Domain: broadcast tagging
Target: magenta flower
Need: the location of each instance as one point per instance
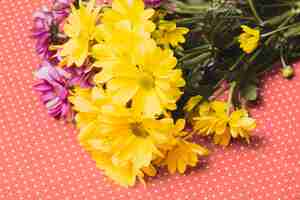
(54, 85)
(44, 25)
(54, 90)
(61, 9)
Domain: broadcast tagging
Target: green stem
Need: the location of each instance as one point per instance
(189, 20)
(229, 101)
(199, 48)
(282, 58)
(237, 62)
(253, 9)
(278, 19)
(280, 29)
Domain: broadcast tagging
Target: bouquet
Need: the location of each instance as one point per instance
(142, 79)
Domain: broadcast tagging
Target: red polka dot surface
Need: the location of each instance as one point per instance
(40, 157)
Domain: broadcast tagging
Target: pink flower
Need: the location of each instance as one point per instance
(43, 28)
(54, 90)
(61, 9)
(46, 26)
(54, 85)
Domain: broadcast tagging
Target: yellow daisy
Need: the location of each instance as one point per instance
(168, 34)
(122, 142)
(241, 124)
(124, 174)
(212, 118)
(87, 103)
(249, 40)
(80, 28)
(119, 47)
(184, 154)
(151, 81)
(130, 137)
(130, 10)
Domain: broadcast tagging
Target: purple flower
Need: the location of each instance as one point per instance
(61, 9)
(54, 84)
(46, 26)
(54, 90)
(153, 3)
(43, 25)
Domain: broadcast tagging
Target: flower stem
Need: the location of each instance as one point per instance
(275, 20)
(280, 29)
(253, 9)
(229, 101)
(282, 58)
(237, 62)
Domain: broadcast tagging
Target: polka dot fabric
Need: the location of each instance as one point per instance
(41, 159)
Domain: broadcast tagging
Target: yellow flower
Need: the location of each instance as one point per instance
(222, 139)
(212, 118)
(120, 47)
(129, 10)
(168, 34)
(249, 39)
(122, 142)
(124, 174)
(150, 81)
(184, 154)
(180, 153)
(132, 137)
(241, 124)
(88, 103)
(80, 28)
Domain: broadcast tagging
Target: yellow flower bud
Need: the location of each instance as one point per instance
(287, 72)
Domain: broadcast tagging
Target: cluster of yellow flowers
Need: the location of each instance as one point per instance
(215, 118)
(124, 120)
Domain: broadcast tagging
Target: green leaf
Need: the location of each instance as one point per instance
(249, 92)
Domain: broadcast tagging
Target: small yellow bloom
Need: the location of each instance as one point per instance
(212, 118)
(249, 40)
(168, 34)
(241, 124)
(184, 154)
(80, 28)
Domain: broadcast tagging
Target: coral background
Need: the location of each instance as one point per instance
(41, 159)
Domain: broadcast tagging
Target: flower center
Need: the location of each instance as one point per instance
(138, 129)
(147, 81)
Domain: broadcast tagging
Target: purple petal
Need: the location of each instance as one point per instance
(53, 103)
(48, 96)
(43, 87)
(55, 112)
(62, 92)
